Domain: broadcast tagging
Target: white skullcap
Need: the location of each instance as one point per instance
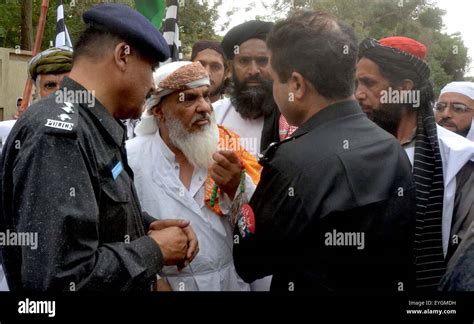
(462, 87)
(169, 78)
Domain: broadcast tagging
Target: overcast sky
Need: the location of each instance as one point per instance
(459, 18)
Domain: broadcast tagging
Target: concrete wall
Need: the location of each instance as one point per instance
(13, 76)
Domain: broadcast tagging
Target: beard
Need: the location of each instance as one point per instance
(387, 116)
(198, 146)
(464, 132)
(447, 123)
(252, 102)
(218, 90)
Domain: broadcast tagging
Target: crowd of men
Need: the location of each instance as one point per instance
(289, 157)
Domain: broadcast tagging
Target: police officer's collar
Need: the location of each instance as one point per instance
(334, 111)
(265, 156)
(331, 112)
(112, 126)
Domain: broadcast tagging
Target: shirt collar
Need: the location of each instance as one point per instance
(113, 126)
(164, 149)
(331, 112)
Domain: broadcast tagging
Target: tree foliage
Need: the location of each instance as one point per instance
(418, 19)
(197, 20)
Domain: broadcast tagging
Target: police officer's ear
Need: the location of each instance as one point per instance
(122, 53)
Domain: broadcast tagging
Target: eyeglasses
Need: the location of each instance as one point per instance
(456, 106)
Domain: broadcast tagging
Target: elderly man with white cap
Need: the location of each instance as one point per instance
(179, 171)
(455, 108)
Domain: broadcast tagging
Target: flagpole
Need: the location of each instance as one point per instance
(36, 49)
(171, 31)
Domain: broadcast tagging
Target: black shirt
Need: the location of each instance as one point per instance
(66, 178)
(337, 177)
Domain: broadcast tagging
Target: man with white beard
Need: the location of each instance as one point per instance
(179, 172)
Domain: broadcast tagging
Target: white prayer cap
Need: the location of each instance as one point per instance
(463, 87)
(177, 76)
(169, 78)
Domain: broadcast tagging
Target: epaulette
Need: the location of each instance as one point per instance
(62, 118)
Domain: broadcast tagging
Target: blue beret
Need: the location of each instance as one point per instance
(131, 26)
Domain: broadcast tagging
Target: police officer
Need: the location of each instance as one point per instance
(66, 178)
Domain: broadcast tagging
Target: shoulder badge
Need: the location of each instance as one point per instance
(65, 117)
(246, 221)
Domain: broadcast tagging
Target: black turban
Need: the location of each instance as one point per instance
(244, 32)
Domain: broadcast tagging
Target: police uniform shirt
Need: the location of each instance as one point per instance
(337, 178)
(66, 178)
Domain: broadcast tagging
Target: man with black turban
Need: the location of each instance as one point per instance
(250, 111)
(395, 91)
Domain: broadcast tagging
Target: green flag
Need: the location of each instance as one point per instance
(153, 10)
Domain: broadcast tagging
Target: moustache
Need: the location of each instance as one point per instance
(365, 108)
(201, 117)
(445, 122)
(254, 79)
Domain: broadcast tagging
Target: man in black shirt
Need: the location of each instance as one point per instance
(335, 204)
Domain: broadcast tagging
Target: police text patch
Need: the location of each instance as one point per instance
(58, 124)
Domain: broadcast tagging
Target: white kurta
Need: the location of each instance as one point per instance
(163, 196)
(5, 129)
(3, 280)
(249, 130)
(455, 152)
